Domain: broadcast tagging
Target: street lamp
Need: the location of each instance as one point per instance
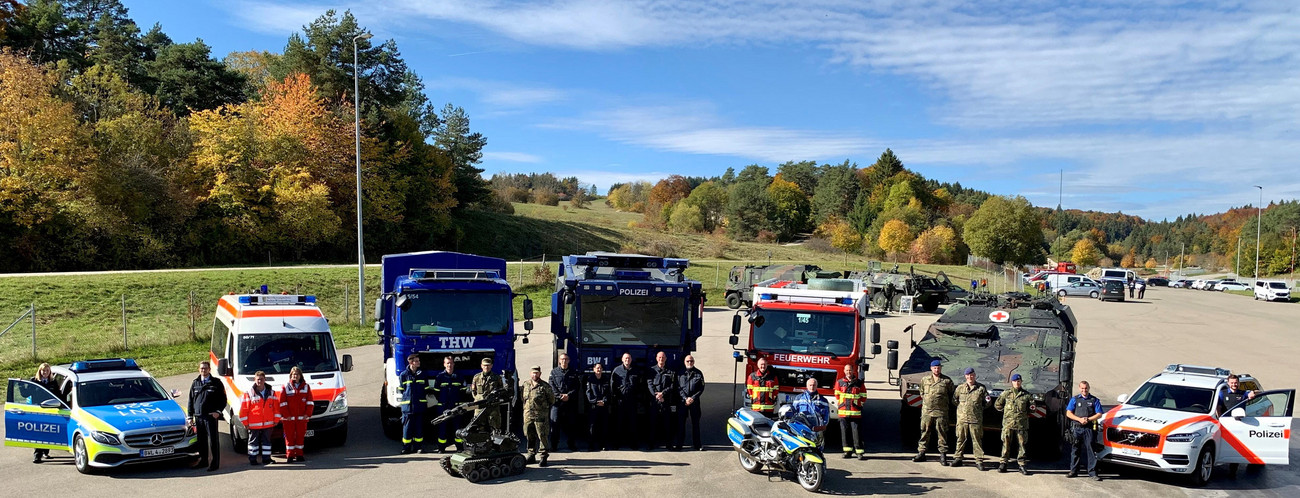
(1258, 222)
(356, 113)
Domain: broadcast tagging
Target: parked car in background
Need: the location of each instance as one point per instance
(1272, 291)
(1112, 290)
(1198, 284)
(1180, 284)
(1085, 287)
(1209, 285)
(1231, 286)
(1158, 282)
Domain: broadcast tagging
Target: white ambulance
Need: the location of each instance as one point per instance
(1177, 422)
(274, 333)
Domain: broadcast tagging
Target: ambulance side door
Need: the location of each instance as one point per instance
(1258, 430)
(35, 417)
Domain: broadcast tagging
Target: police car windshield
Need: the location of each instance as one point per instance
(631, 320)
(804, 332)
(1173, 397)
(119, 391)
(457, 313)
(278, 353)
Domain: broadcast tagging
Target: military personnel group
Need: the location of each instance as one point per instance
(648, 409)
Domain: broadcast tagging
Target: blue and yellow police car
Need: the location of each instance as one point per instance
(107, 413)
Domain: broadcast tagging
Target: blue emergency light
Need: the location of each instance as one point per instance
(106, 364)
(767, 297)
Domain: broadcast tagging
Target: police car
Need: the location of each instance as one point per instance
(107, 413)
(1176, 422)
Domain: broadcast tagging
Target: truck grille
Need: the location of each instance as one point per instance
(146, 440)
(431, 361)
(1132, 438)
(319, 407)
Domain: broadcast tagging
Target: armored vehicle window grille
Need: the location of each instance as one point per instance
(619, 321)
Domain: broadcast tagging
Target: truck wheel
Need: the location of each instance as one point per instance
(930, 305)
(733, 301)
(239, 445)
(1204, 467)
(389, 419)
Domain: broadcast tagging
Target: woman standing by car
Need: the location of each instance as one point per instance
(295, 408)
(44, 379)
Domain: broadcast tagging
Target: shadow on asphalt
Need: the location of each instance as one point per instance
(840, 482)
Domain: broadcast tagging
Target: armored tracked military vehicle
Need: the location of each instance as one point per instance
(997, 335)
(742, 279)
(488, 453)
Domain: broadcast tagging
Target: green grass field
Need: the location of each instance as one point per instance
(80, 316)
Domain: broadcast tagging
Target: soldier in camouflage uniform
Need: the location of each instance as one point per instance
(970, 398)
(538, 398)
(483, 383)
(936, 394)
(1014, 405)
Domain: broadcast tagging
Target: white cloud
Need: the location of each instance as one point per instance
(501, 95)
(514, 157)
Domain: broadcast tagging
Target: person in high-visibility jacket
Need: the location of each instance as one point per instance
(295, 408)
(411, 389)
(850, 392)
(761, 388)
(450, 389)
(259, 411)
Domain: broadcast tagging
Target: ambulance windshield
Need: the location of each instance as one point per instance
(631, 320)
(457, 313)
(278, 353)
(119, 391)
(804, 332)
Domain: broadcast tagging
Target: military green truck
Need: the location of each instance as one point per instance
(741, 280)
(997, 335)
(888, 289)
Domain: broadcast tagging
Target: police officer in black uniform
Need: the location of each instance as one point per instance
(1229, 398)
(691, 385)
(1083, 411)
(44, 378)
(629, 389)
(599, 394)
(567, 384)
(662, 384)
(207, 402)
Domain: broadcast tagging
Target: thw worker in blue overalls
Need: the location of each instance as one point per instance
(449, 388)
(412, 385)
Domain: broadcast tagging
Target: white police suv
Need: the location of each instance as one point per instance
(1178, 422)
(107, 413)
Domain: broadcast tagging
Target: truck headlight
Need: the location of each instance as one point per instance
(1184, 437)
(106, 438)
(339, 404)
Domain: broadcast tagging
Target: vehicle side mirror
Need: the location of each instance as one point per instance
(223, 367)
(891, 359)
(875, 349)
(403, 303)
(528, 325)
(1238, 413)
(892, 345)
(568, 297)
(865, 366)
(528, 309)
(1121, 398)
(379, 309)
(875, 333)
(347, 363)
(733, 340)
(735, 325)
(54, 403)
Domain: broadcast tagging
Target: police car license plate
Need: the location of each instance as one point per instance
(310, 433)
(1129, 452)
(157, 451)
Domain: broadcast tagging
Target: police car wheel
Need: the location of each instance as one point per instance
(81, 457)
(1204, 467)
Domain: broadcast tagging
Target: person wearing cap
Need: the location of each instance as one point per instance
(970, 398)
(936, 394)
(1014, 404)
(483, 384)
(538, 399)
(1083, 411)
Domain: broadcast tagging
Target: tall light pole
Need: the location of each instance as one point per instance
(356, 113)
(1236, 270)
(1258, 223)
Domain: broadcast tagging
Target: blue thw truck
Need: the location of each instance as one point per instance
(438, 304)
(608, 304)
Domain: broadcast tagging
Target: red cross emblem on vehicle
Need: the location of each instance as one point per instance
(999, 316)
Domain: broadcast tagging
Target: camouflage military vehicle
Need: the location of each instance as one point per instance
(488, 453)
(888, 288)
(741, 280)
(997, 336)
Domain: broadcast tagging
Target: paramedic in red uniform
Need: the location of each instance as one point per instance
(295, 408)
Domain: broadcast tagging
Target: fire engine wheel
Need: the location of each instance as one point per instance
(733, 301)
(517, 465)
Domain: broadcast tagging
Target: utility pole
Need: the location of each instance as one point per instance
(356, 113)
(1236, 271)
(1181, 247)
(1259, 221)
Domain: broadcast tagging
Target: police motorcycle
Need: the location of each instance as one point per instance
(787, 444)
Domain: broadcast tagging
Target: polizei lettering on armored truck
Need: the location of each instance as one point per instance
(634, 292)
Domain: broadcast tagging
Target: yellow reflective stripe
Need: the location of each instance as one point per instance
(40, 446)
(37, 409)
(85, 419)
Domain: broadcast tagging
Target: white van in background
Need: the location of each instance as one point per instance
(1118, 274)
(1272, 290)
(1061, 280)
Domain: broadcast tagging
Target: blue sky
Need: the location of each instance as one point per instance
(1156, 108)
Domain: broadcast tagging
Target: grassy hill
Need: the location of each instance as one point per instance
(80, 316)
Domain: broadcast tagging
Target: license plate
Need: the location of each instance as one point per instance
(310, 433)
(1128, 452)
(157, 451)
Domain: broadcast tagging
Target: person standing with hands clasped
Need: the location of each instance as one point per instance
(412, 398)
(1014, 404)
(663, 402)
(850, 392)
(295, 409)
(567, 383)
(970, 398)
(259, 411)
(599, 389)
(691, 385)
(1083, 411)
(207, 402)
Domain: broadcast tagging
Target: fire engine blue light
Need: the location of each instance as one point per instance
(264, 290)
(766, 296)
(846, 300)
(245, 299)
(311, 299)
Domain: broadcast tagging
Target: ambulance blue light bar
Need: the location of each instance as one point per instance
(276, 299)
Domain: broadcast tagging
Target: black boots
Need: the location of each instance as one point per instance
(543, 462)
(943, 459)
(920, 457)
(1002, 467)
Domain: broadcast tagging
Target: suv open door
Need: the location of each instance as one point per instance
(1258, 430)
(35, 417)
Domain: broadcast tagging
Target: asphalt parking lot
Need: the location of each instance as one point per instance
(1120, 345)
